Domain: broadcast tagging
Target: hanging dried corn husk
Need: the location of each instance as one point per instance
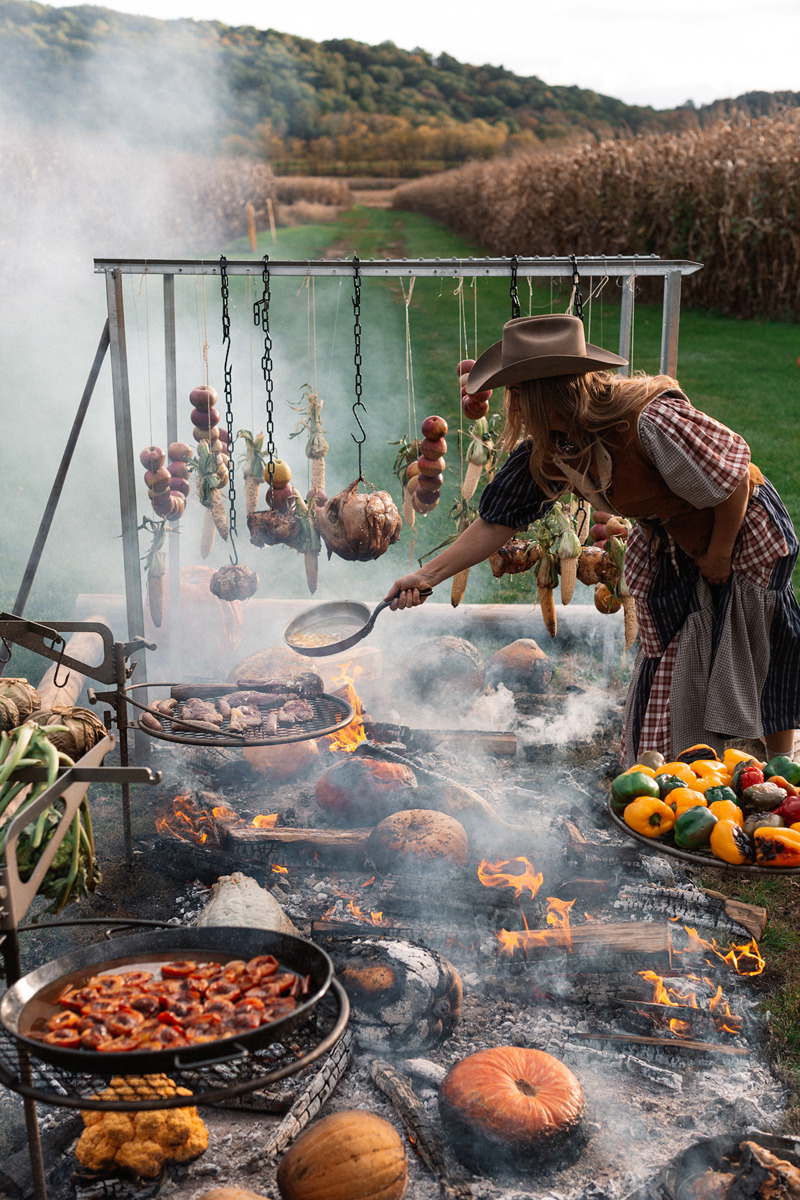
(615, 548)
(83, 729)
(155, 567)
(209, 482)
(253, 465)
(479, 457)
(546, 579)
(22, 694)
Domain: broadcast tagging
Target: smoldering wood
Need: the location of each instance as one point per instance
(115, 1188)
(700, 906)
(477, 741)
(399, 1091)
(700, 1019)
(320, 1088)
(16, 1177)
(669, 1043)
(337, 845)
(344, 930)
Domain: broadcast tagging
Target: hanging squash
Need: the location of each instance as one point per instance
(348, 1154)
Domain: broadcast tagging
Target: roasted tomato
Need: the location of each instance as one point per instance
(68, 1039)
(177, 970)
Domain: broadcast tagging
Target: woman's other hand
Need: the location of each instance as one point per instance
(715, 568)
(405, 592)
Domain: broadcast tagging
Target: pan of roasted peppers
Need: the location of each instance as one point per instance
(733, 812)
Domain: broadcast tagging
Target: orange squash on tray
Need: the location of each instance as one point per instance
(510, 1104)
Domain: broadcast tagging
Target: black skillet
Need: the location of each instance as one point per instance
(28, 1004)
(344, 622)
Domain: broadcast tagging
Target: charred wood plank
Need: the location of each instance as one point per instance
(697, 906)
(338, 844)
(398, 1089)
(635, 937)
(344, 930)
(669, 1043)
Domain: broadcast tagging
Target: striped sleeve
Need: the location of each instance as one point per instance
(701, 460)
(512, 498)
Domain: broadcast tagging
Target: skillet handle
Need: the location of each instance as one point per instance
(385, 604)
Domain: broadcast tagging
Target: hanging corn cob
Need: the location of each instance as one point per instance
(406, 468)
(567, 549)
(309, 542)
(463, 521)
(479, 456)
(209, 483)
(155, 567)
(615, 549)
(546, 580)
(253, 464)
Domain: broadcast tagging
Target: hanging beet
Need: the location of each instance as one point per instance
(358, 527)
(234, 582)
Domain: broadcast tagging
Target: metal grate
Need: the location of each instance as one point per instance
(331, 713)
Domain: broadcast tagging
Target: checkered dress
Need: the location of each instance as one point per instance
(713, 663)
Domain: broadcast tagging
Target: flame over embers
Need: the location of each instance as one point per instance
(352, 909)
(528, 879)
(188, 822)
(353, 734)
(717, 1006)
(745, 959)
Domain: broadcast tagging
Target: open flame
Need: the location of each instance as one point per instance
(716, 1007)
(353, 910)
(188, 822)
(353, 734)
(745, 959)
(493, 875)
(527, 878)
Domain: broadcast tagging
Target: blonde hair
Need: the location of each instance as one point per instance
(587, 404)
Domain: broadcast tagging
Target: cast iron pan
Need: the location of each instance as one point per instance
(28, 1004)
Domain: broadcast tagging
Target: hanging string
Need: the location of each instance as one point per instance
(596, 291)
(357, 358)
(463, 352)
(248, 300)
(227, 374)
(513, 293)
(333, 337)
(205, 333)
(411, 399)
(261, 318)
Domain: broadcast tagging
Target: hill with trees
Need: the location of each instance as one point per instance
(329, 107)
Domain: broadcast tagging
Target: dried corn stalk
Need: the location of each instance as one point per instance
(253, 465)
(209, 483)
(155, 567)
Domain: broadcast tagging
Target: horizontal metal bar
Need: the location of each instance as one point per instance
(615, 264)
(92, 775)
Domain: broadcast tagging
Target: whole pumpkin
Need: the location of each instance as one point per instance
(350, 1155)
(416, 838)
(362, 791)
(521, 666)
(286, 760)
(509, 1103)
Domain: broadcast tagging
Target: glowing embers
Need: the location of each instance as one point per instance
(353, 734)
(188, 821)
(346, 908)
(693, 1015)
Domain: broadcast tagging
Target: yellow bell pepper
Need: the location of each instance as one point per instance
(731, 757)
(643, 770)
(650, 817)
(777, 847)
(730, 843)
(682, 770)
(708, 766)
(679, 799)
(727, 810)
(711, 781)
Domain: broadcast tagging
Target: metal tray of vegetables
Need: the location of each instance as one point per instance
(734, 814)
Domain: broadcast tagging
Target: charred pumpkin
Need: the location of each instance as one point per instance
(362, 791)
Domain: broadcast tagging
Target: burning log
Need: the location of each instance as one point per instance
(401, 993)
(668, 1043)
(335, 845)
(696, 905)
(398, 1089)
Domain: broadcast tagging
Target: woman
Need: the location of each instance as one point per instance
(709, 559)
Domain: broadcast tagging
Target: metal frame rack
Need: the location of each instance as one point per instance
(627, 269)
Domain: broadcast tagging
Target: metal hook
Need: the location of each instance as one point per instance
(7, 657)
(235, 556)
(56, 684)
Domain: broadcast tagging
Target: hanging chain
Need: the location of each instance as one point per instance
(576, 300)
(261, 319)
(357, 358)
(228, 370)
(512, 291)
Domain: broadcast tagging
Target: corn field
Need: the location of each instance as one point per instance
(727, 197)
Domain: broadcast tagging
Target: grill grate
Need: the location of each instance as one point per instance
(330, 713)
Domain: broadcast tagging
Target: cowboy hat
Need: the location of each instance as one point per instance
(538, 347)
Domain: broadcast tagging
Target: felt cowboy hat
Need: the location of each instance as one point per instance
(538, 347)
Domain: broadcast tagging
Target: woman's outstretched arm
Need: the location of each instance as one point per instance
(478, 541)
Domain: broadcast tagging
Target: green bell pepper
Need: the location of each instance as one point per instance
(781, 764)
(667, 783)
(693, 828)
(714, 794)
(626, 788)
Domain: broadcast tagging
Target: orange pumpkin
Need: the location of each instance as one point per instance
(362, 791)
(508, 1104)
(346, 1155)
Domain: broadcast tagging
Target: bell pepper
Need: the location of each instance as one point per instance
(640, 767)
(745, 774)
(766, 797)
(763, 820)
(649, 816)
(777, 847)
(731, 844)
(731, 757)
(629, 787)
(693, 827)
(681, 799)
(711, 781)
(703, 767)
(787, 787)
(781, 764)
(682, 770)
(728, 810)
(696, 752)
(790, 809)
(723, 792)
(668, 783)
